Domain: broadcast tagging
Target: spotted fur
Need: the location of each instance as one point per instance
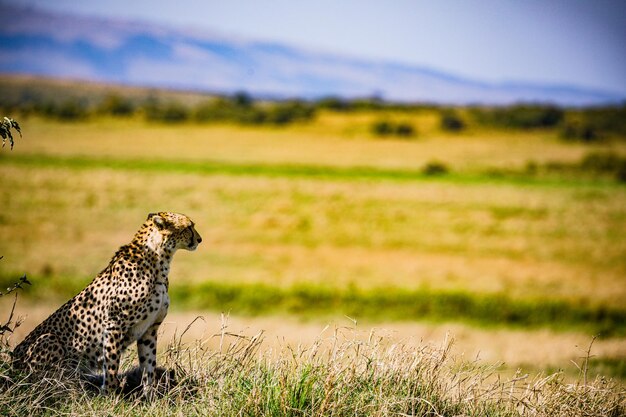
(124, 304)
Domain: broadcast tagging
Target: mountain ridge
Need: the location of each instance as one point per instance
(99, 49)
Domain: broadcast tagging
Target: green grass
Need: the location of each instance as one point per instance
(375, 304)
(320, 172)
(610, 367)
(392, 304)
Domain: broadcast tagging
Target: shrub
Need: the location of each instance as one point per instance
(68, 110)
(289, 112)
(214, 110)
(434, 168)
(580, 131)
(387, 128)
(404, 130)
(593, 124)
(382, 128)
(242, 99)
(116, 105)
(522, 116)
(451, 122)
(334, 103)
(241, 109)
(602, 162)
(607, 163)
(369, 104)
(171, 112)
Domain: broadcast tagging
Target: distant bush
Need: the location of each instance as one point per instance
(334, 103)
(361, 104)
(69, 110)
(171, 112)
(435, 168)
(605, 163)
(404, 130)
(242, 99)
(289, 112)
(601, 162)
(241, 109)
(580, 131)
(520, 116)
(384, 128)
(584, 125)
(116, 105)
(595, 124)
(222, 109)
(451, 122)
(371, 104)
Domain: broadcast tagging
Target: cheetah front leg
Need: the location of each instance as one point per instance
(112, 347)
(147, 349)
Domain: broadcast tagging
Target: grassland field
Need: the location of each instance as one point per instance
(321, 220)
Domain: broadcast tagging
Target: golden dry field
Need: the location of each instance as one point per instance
(325, 207)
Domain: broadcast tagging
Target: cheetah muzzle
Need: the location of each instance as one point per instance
(125, 303)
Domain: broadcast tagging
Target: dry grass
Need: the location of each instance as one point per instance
(509, 349)
(342, 374)
(333, 140)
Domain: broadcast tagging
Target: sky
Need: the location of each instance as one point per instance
(566, 42)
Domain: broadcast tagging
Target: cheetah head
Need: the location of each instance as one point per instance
(177, 230)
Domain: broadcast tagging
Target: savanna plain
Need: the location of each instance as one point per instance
(338, 274)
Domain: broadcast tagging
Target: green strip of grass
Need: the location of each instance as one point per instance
(387, 304)
(403, 305)
(210, 167)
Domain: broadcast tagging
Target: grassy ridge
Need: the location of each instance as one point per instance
(401, 304)
(377, 304)
(322, 172)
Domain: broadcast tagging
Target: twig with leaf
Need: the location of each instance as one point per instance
(5, 130)
(9, 326)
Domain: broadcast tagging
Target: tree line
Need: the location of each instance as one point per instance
(576, 124)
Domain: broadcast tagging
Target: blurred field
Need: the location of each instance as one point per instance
(560, 240)
(334, 139)
(293, 208)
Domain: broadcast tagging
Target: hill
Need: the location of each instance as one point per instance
(136, 53)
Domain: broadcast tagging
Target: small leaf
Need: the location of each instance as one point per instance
(16, 126)
(25, 280)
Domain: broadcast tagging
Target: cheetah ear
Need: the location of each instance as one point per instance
(158, 220)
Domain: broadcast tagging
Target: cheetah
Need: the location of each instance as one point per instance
(124, 303)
